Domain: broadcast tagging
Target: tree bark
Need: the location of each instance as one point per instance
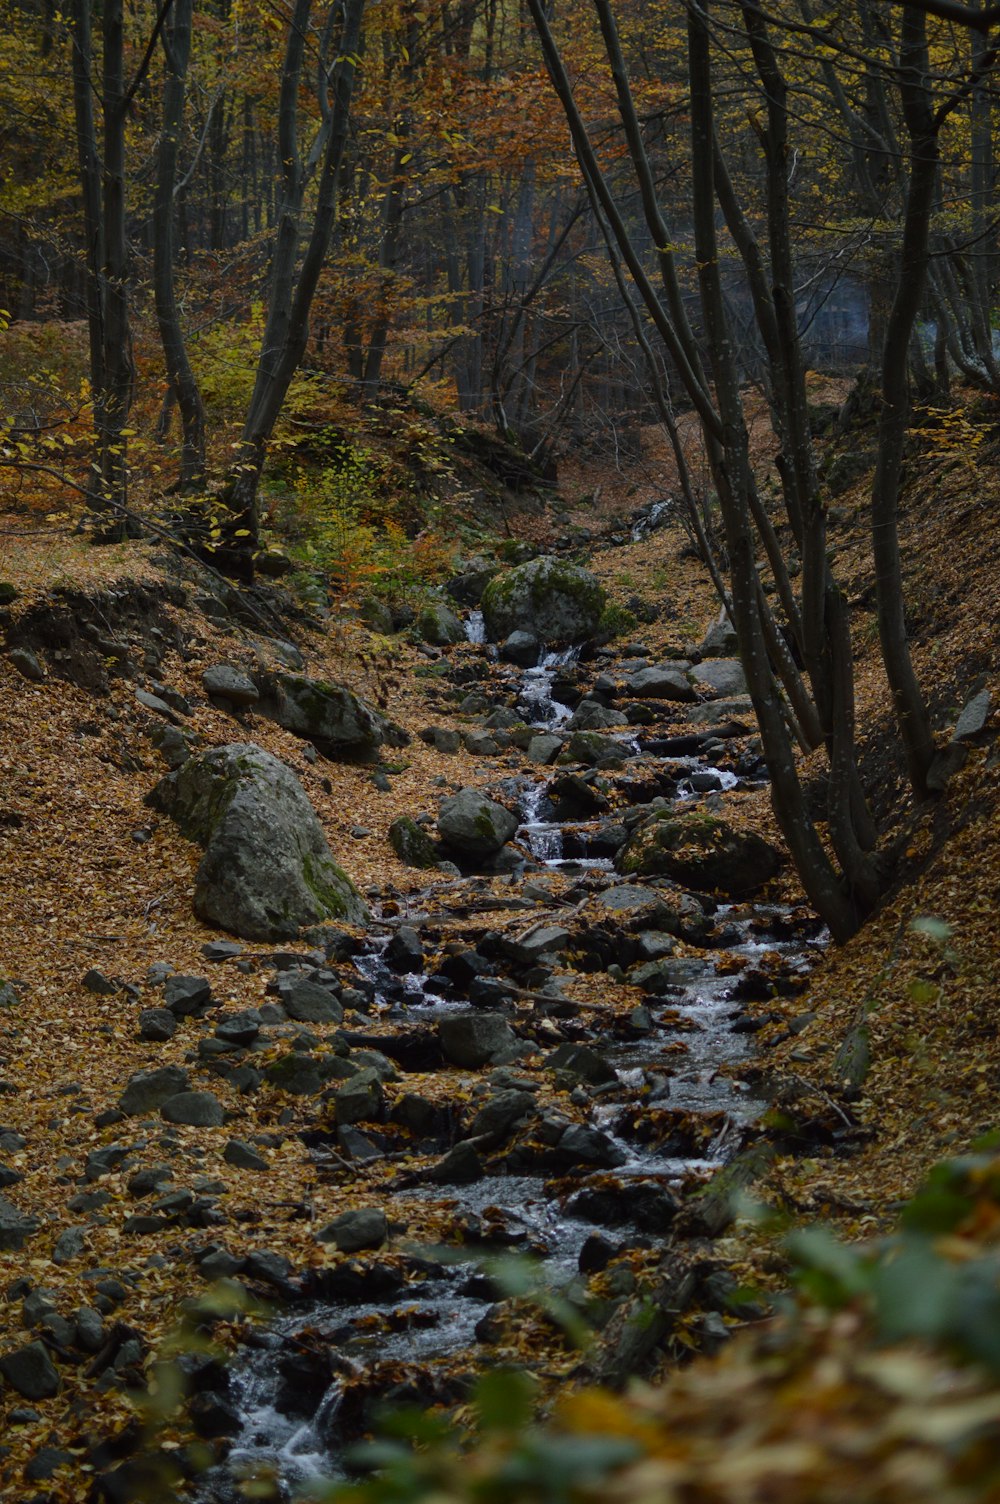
(176, 40)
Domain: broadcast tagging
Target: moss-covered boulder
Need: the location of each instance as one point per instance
(553, 600)
(439, 625)
(700, 851)
(412, 844)
(473, 825)
(331, 716)
(267, 869)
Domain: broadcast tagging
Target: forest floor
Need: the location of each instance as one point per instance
(91, 879)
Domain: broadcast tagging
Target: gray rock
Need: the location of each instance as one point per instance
(660, 682)
(223, 682)
(439, 625)
(173, 744)
(702, 852)
(145, 1182)
(591, 715)
(593, 749)
(720, 639)
(481, 744)
(404, 953)
(582, 1144)
(27, 664)
(95, 981)
(521, 648)
(736, 710)
(158, 705)
(973, 717)
(442, 738)
(30, 1371)
(474, 825)
(157, 1024)
(352, 1231)
(244, 1156)
(501, 1113)
(106, 1160)
(239, 1028)
(581, 1061)
(545, 747)
(553, 600)
(460, 1166)
(309, 1003)
(38, 1304)
(474, 1039)
(720, 677)
(8, 995)
(654, 945)
(359, 1100)
(90, 1332)
(148, 1090)
(330, 715)
(267, 869)
(542, 941)
(412, 844)
(467, 587)
(186, 995)
(414, 1112)
(297, 1073)
(221, 950)
(69, 1245)
(195, 1109)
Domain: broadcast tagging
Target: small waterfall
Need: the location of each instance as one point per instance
(651, 519)
(544, 838)
(535, 697)
(475, 627)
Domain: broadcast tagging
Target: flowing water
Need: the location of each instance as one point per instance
(441, 1310)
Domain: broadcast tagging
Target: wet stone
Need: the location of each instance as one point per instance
(582, 1144)
(404, 953)
(581, 1061)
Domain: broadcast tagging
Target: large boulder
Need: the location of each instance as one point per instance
(473, 825)
(267, 869)
(331, 716)
(663, 681)
(699, 851)
(438, 625)
(553, 600)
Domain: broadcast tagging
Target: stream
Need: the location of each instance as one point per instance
(295, 1413)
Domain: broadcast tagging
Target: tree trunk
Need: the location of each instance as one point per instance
(176, 38)
(287, 328)
(911, 710)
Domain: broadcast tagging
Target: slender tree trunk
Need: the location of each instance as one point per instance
(287, 328)
(176, 39)
(910, 707)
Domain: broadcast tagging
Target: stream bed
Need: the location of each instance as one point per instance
(657, 1104)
